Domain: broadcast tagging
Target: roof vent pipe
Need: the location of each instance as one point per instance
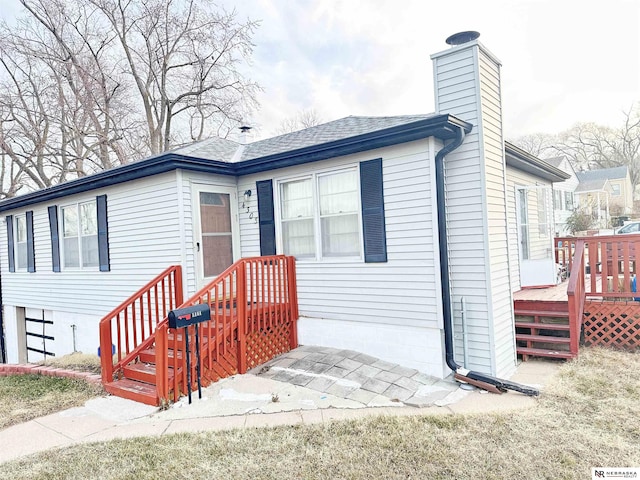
(462, 37)
(244, 134)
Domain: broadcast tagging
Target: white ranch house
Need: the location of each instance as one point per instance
(354, 200)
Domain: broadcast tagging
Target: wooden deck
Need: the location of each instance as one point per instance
(556, 293)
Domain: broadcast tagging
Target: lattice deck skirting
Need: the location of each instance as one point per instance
(615, 324)
(267, 343)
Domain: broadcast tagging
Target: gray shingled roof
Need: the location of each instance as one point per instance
(590, 185)
(228, 151)
(214, 148)
(555, 161)
(603, 174)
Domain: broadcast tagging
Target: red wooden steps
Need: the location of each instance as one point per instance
(133, 390)
(543, 352)
(534, 337)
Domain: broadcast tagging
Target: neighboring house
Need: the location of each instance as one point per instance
(355, 200)
(563, 195)
(606, 192)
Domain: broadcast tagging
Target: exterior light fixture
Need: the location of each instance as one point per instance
(247, 195)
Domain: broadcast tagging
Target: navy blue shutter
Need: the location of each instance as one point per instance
(373, 227)
(10, 247)
(103, 233)
(55, 238)
(266, 218)
(31, 251)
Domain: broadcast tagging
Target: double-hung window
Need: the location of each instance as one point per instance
(320, 215)
(80, 235)
(21, 242)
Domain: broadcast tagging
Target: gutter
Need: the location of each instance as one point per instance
(3, 347)
(481, 380)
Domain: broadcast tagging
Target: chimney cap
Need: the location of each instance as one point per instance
(462, 37)
(244, 128)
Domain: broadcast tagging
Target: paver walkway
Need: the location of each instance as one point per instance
(355, 376)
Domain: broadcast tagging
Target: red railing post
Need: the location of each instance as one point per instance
(243, 321)
(576, 296)
(293, 301)
(177, 285)
(162, 367)
(106, 356)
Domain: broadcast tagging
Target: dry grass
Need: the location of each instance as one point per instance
(25, 397)
(589, 417)
(76, 361)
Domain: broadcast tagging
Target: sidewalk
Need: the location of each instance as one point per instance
(249, 401)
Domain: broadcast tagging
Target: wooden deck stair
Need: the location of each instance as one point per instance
(542, 328)
(253, 318)
(138, 380)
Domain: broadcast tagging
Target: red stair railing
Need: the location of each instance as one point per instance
(134, 321)
(253, 318)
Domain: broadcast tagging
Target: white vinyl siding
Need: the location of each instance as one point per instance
(401, 291)
(467, 80)
(143, 241)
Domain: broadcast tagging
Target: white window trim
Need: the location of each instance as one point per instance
(16, 243)
(62, 237)
(316, 211)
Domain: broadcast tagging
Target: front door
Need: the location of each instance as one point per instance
(535, 239)
(216, 234)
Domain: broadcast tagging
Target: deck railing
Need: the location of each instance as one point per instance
(132, 324)
(253, 316)
(576, 297)
(603, 290)
(610, 263)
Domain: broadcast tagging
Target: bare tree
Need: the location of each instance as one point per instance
(539, 144)
(591, 146)
(183, 58)
(303, 119)
(88, 85)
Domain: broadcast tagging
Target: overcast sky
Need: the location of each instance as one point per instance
(563, 61)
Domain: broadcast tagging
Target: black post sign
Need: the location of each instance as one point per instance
(184, 318)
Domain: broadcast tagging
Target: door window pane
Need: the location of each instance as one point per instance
(215, 228)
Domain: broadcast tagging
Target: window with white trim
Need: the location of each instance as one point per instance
(21, 242)
(80, 235)
(320, 215)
